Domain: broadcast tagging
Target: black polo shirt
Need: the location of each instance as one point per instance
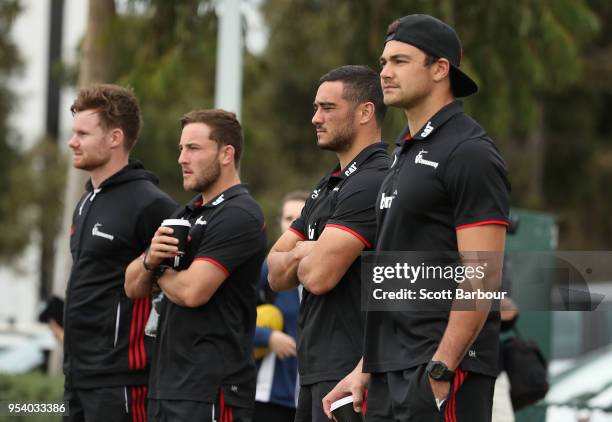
(330, 326)
(447, 177)
(200, 350)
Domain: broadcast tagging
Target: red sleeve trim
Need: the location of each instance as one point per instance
(297, 232)
(353, 232)
(482, 223)
(217, 263)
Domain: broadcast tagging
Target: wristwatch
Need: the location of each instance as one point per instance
(155, 272)
(438, 371)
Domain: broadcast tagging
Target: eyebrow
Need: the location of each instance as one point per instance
(323, 104)
(187, 144)
(396, 56)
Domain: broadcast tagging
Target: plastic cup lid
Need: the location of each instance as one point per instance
(341, 402)
(176, 222)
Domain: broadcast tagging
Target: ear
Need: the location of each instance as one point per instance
(366, 112)
(117, 138)
(440, 69)
(227, 155)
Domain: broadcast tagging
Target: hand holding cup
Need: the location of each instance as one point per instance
(168, 243)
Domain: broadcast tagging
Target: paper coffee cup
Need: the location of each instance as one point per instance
(343, 410)
(180, 229)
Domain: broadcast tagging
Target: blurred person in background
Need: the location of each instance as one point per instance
(105, 353)
(275, 397)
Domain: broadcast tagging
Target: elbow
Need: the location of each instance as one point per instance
(318, 280)
(277, 280)
(274, 283)
(274, 279)
(128, 291)
(132, 292)
(194, 299)
(317, 288)
(317, 284)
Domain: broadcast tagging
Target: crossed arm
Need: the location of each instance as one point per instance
(318, 265)
(189, 288)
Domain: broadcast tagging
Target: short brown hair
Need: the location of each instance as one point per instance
(117, 107)
(296, 195)
(224, 127)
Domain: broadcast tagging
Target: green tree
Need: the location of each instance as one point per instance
(526, 55)
(578, 164)
(172, 73)
(15, 217)
(517, 51)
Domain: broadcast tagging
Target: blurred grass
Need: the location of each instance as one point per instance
(31, 387)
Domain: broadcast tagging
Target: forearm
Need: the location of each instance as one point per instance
(262, 336)
(175, 287)
(138, 281)
(462, 329)
(282, 270)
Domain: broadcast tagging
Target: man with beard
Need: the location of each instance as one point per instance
(105, 353)
(203, 367)
(447, 191)
(321, 249)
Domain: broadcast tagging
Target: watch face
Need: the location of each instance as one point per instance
(436, 371)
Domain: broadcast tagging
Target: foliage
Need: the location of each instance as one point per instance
(543, 69)
(173, 73)
(14, 222)
(522, 54)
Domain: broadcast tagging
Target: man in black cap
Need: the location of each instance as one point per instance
(447, 190)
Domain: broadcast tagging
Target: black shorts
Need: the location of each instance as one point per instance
(407, 396)
(189, 410)
(121, 404)
(310, 406)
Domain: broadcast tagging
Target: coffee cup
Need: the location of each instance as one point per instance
(180, 230)
(343, 411)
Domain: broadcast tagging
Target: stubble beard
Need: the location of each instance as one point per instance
(342, 141)
(206, 180)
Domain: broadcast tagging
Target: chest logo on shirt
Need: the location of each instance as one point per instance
(385, 201)
(315, 194)
(420, 160)
(352, 169)
(97, 232)
(427, 130)
(200, 221)
(219, 200)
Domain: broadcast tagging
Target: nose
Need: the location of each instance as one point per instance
(182, 159)
(72, 142)
(317, 118)
(385, 72)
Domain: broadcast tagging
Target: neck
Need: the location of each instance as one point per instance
(100, 174)
(418, 115)
(361, 141)
(223, 183)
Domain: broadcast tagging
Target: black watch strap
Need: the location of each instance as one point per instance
(438, 371)
(155, 272)
(144, 262)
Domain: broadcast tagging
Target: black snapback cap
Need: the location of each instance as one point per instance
(436, 38)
